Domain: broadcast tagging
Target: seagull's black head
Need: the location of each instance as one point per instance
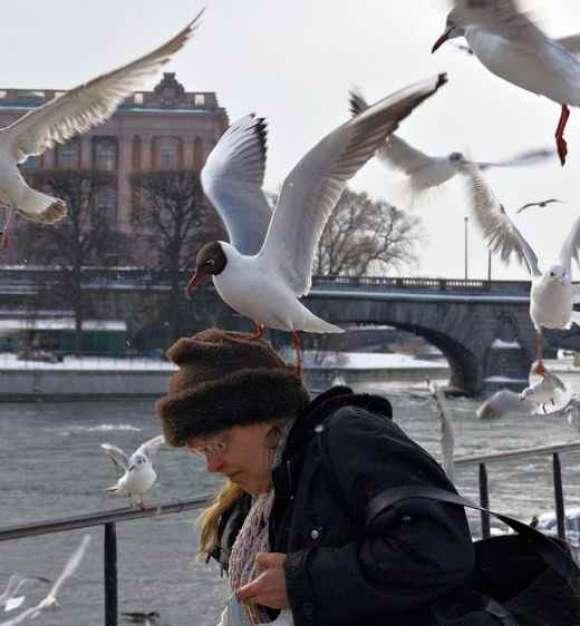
(453, 28)
(211, 260)
(456, 157)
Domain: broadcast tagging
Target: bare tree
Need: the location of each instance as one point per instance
(365, 236)
(170, 205)
(84, 237)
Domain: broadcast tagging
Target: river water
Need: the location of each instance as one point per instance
(52, 466)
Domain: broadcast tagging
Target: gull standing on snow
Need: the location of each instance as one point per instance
(49, 601)
(9, 598)
(552, 294)
(138, 473)
(263, 277)
(426, 172)
(65, 116)
(509, 44)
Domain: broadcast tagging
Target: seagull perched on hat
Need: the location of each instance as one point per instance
(510, 45)
(266, 267)
(63, 117)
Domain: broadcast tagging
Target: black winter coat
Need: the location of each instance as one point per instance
(341, 571)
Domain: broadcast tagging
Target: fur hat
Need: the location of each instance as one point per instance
(226, 379)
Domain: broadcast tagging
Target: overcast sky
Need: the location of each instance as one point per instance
(293, 62)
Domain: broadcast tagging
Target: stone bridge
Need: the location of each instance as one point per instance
(483, 328)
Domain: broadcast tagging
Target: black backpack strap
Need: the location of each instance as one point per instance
(551, 551)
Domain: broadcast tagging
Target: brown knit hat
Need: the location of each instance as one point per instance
(226, 379)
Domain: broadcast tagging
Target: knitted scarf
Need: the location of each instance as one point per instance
(254, 538)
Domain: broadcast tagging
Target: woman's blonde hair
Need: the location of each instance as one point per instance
(228, 495)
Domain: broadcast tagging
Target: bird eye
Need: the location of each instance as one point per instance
(552, 274)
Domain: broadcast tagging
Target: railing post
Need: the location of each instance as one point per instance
(111, 598)
(484, 501)
(559, 495)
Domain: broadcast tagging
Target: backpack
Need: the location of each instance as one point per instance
(526, 579)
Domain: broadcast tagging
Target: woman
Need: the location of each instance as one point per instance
(289, 525)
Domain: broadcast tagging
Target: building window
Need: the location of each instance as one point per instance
(68, 155)
(138, 98)
(105, 153)
(106, 205)
(168, 153)
(199, 100)
(198, 154)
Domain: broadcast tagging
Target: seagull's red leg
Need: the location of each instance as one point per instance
(538, 366)
(560, 141)
(259, 331)
(5, 240)
(298, 350)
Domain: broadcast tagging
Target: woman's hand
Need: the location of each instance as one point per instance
(269, 587)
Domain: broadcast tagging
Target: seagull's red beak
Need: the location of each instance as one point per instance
(195, 280)
(444, 37)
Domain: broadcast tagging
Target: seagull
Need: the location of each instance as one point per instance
(543, 397)
(552, 293)
(49, 601)
(9, 598)
(426, 172)
(138, 473)
(140, 617)
(509, 44)
(267, 265)
(543, 204)
(447, 432)
(72, 113)
(571, 411)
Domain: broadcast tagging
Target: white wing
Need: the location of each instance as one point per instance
(570, 246)
(447, 433)
(504, 402)
(313, 187)
(395, 152)
(151, 447)
(15, 583)
(232, 179)
(89, 104)
(571, 43)
(530, 157)
(119, 458)
(500, 233)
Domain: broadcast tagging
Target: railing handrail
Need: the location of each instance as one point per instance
(522, 453)
(88, 520)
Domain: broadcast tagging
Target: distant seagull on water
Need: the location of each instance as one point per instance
(138, 472)
(552, 294)
(65, 116)
(267, 265)
(509, 44)
(426, 172)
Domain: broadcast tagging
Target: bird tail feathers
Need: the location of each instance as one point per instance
(41, 208)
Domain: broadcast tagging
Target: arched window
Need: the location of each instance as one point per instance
(106, 204)
(105, 153)
(168, 153)
(68, 156)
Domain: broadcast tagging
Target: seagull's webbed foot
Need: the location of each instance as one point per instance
(561, 143)
(298, 350)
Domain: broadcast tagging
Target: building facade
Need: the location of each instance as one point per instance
(168, 128)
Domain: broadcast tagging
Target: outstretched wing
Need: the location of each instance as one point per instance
(500, 232)
(311, 190)
(89, 104)
(232, 179)
(542, 203)
(119, 458)
(571, 43)
(531, 157)
(570, 246)
(151, 447)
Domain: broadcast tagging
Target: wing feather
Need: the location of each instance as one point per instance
(88, 104)
(151, 447)
(570, 246)
(500, 232)
(232, 179)
(119, 458)
(313, 187)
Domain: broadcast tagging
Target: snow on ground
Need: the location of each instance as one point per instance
(8, 361)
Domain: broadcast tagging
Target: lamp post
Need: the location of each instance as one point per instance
(466, 222)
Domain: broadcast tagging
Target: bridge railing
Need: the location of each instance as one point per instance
(109, 519)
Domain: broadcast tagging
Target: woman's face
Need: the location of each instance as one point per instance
(241, 453)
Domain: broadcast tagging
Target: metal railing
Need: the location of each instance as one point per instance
(109, 519)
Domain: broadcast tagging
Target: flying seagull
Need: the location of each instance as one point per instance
(9, 598)
(509, 44)
(49, 601)
(543, 204)
(138, 475)
(425, 172)
(262, 277)
(552, 294)
(65, 116)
